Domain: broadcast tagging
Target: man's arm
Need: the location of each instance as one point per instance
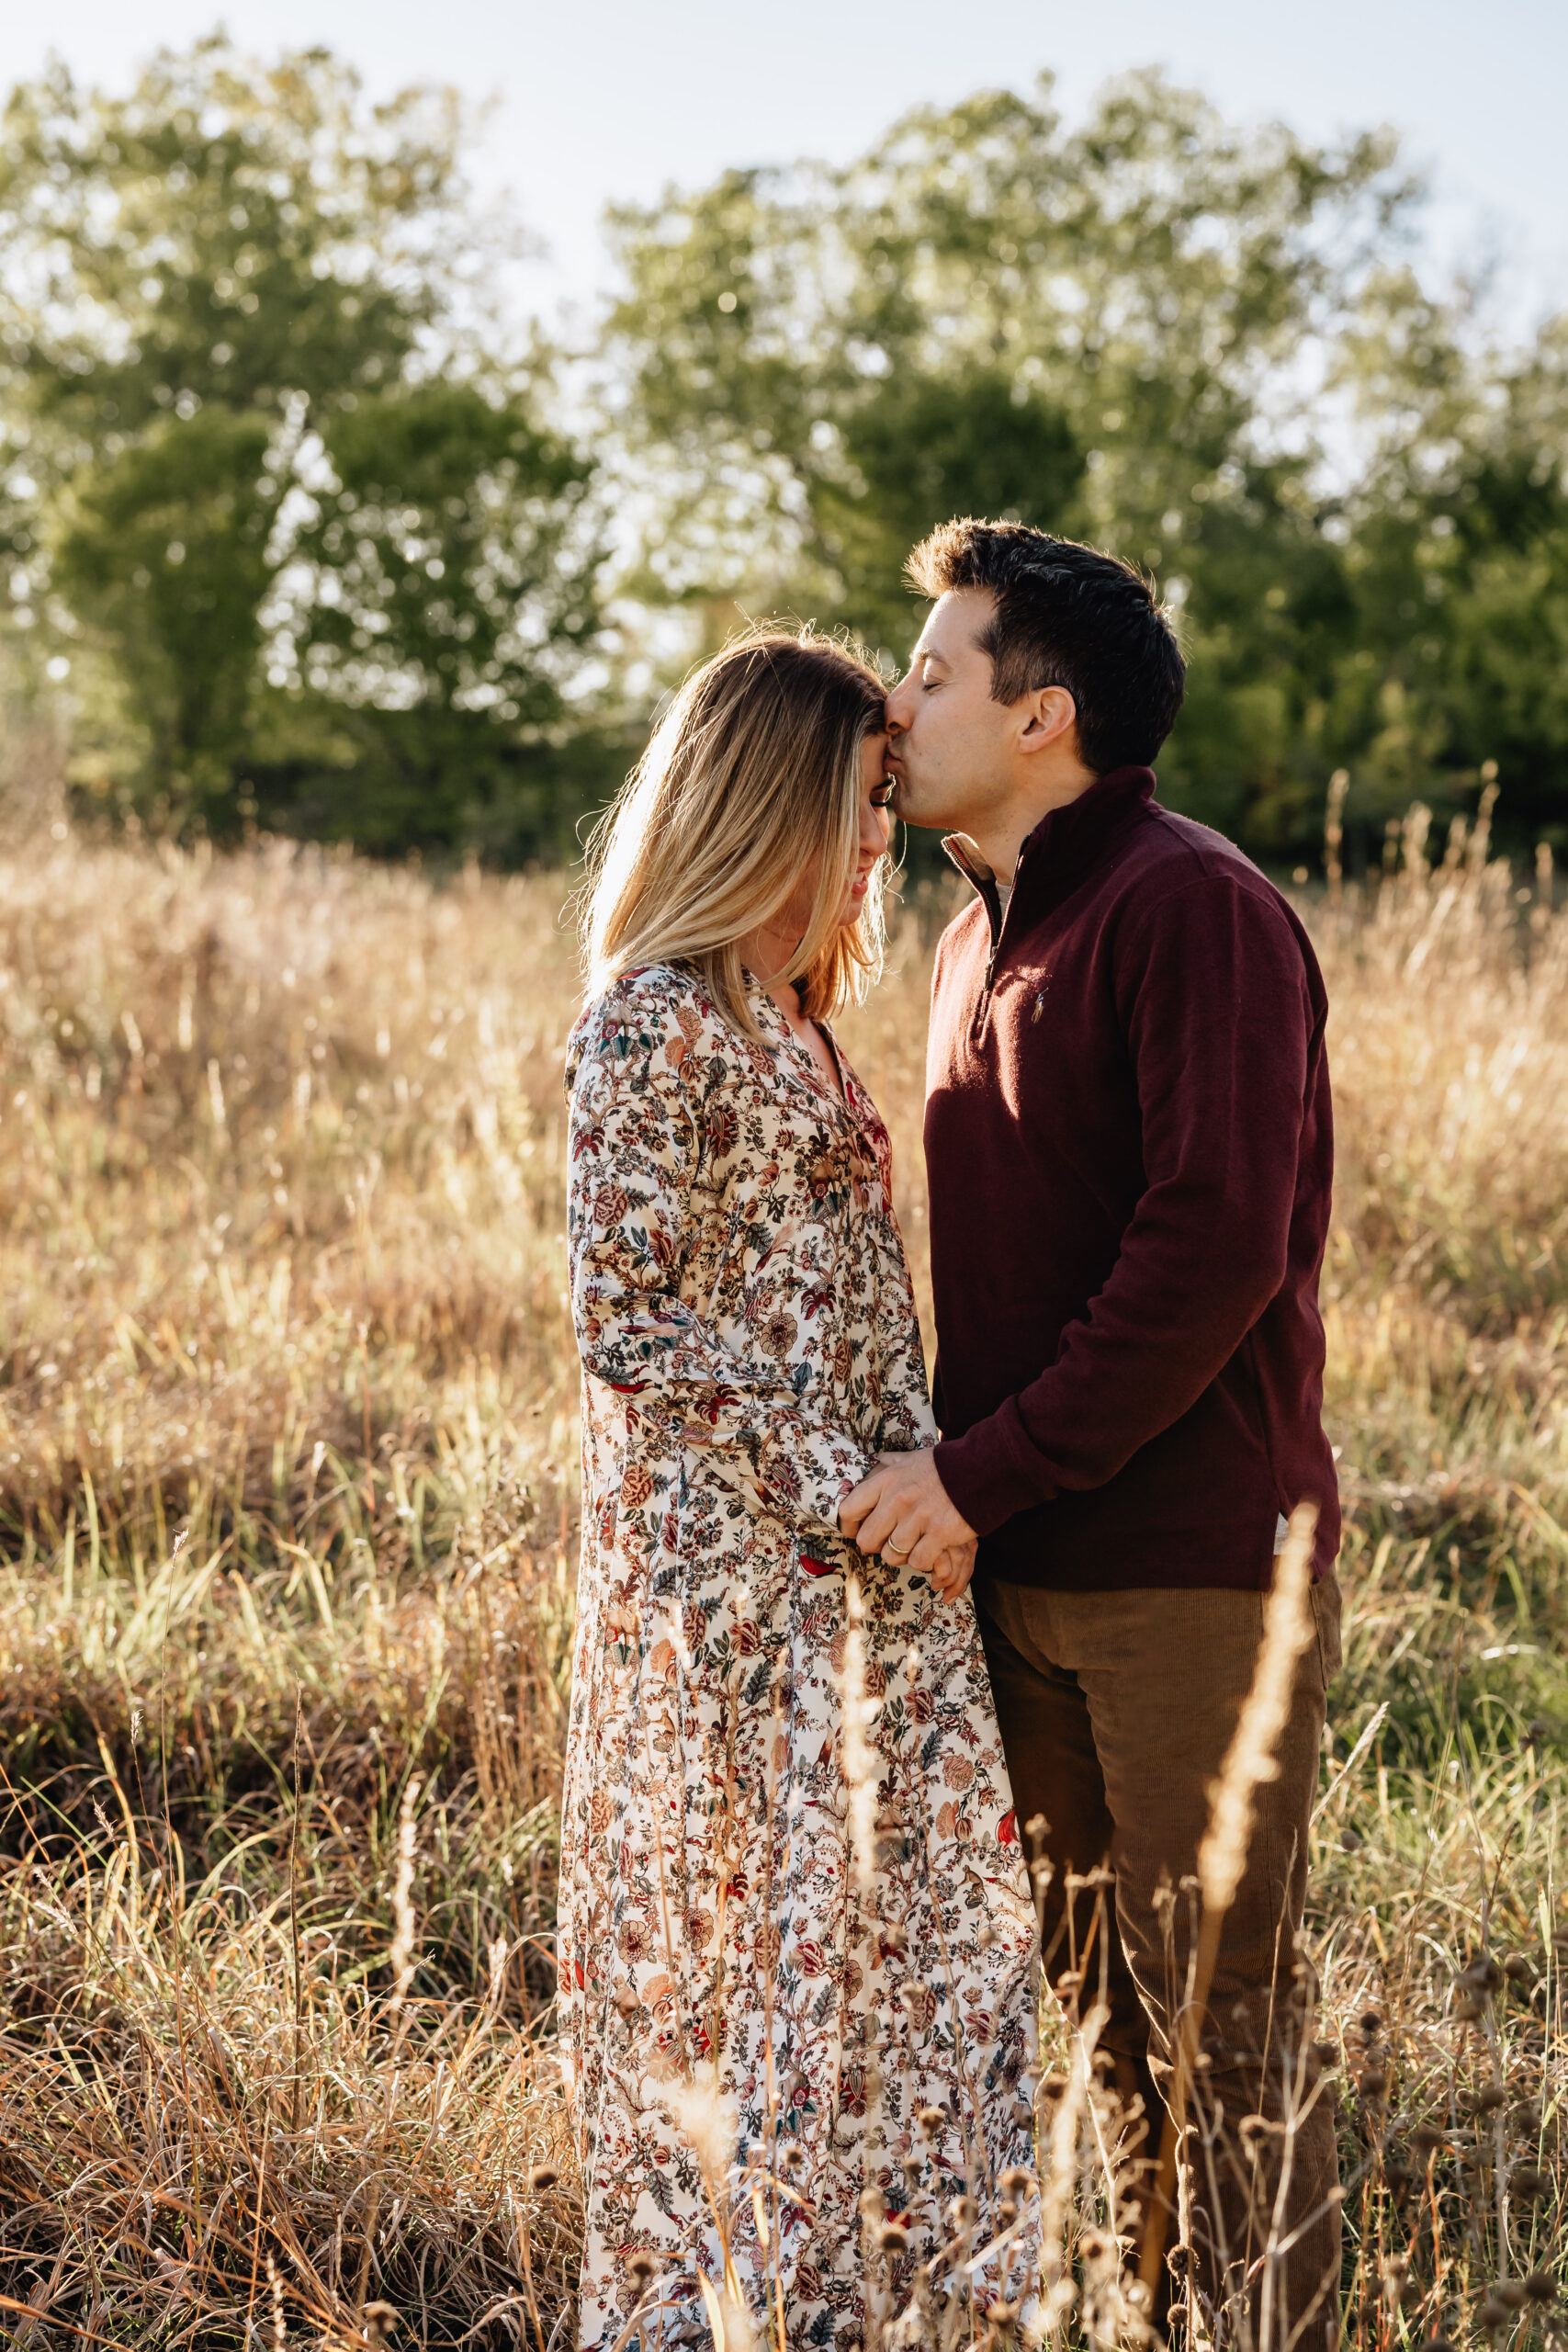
(1214, 995)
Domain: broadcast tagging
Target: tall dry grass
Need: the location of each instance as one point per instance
(288, 1522)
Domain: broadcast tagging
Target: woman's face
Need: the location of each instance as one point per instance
(875, 821)
(876, 832)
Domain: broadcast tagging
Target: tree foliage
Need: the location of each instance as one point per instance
(291, 494)
(164, 547)
(307, 526)
(1202, 347)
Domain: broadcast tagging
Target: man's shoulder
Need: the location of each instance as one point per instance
(1182, 884)
(1169, 858)
(1178, 849)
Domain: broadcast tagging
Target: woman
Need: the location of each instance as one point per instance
(796, 1950)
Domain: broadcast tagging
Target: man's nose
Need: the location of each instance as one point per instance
(896, 711)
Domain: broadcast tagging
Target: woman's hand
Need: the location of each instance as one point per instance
(903, 1513)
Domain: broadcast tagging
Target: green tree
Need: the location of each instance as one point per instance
(230, 294)
(1141, 278)
(922, 447)
(1461, 577)
(1129, 333)
(439, 598)
(164, 550)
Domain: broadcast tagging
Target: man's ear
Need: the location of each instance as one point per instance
(1051, 716)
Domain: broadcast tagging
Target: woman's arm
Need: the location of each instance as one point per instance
(635, 1144)
(907, 1421)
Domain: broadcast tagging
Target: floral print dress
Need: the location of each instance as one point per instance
(819, 1933)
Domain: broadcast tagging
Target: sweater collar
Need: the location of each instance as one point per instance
(1064, 843)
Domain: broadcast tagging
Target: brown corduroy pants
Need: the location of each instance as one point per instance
(1116, 1710)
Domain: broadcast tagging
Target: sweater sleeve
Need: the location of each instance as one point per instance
(636, 1143)
(1214, 1002)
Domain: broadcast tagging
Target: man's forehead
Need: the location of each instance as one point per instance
(954, 624)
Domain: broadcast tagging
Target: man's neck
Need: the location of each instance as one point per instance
(997, 845)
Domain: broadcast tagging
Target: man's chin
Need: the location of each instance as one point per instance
(906, 808)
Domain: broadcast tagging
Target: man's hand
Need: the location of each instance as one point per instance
(903, 1512)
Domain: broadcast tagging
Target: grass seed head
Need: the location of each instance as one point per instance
(329, 1395)
(705, 2117)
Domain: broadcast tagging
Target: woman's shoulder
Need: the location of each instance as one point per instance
(660, 1015)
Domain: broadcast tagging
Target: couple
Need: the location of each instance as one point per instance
(799, 1948)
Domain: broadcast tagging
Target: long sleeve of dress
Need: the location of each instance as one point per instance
(643, 1143)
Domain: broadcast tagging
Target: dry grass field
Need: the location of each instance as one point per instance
(288, 1526)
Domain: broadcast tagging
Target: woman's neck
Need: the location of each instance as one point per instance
(766, 953)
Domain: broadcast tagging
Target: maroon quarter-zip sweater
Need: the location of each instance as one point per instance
(1129, 1145)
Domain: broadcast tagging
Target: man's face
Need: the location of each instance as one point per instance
(951, 749)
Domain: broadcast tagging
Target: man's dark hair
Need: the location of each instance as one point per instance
(1067, 616)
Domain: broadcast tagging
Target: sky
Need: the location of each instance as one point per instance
(598, 100)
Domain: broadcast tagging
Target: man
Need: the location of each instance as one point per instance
(1129, 1152)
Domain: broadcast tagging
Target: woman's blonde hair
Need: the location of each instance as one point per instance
(752, 773)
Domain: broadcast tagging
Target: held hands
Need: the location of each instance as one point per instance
(902, 1511)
